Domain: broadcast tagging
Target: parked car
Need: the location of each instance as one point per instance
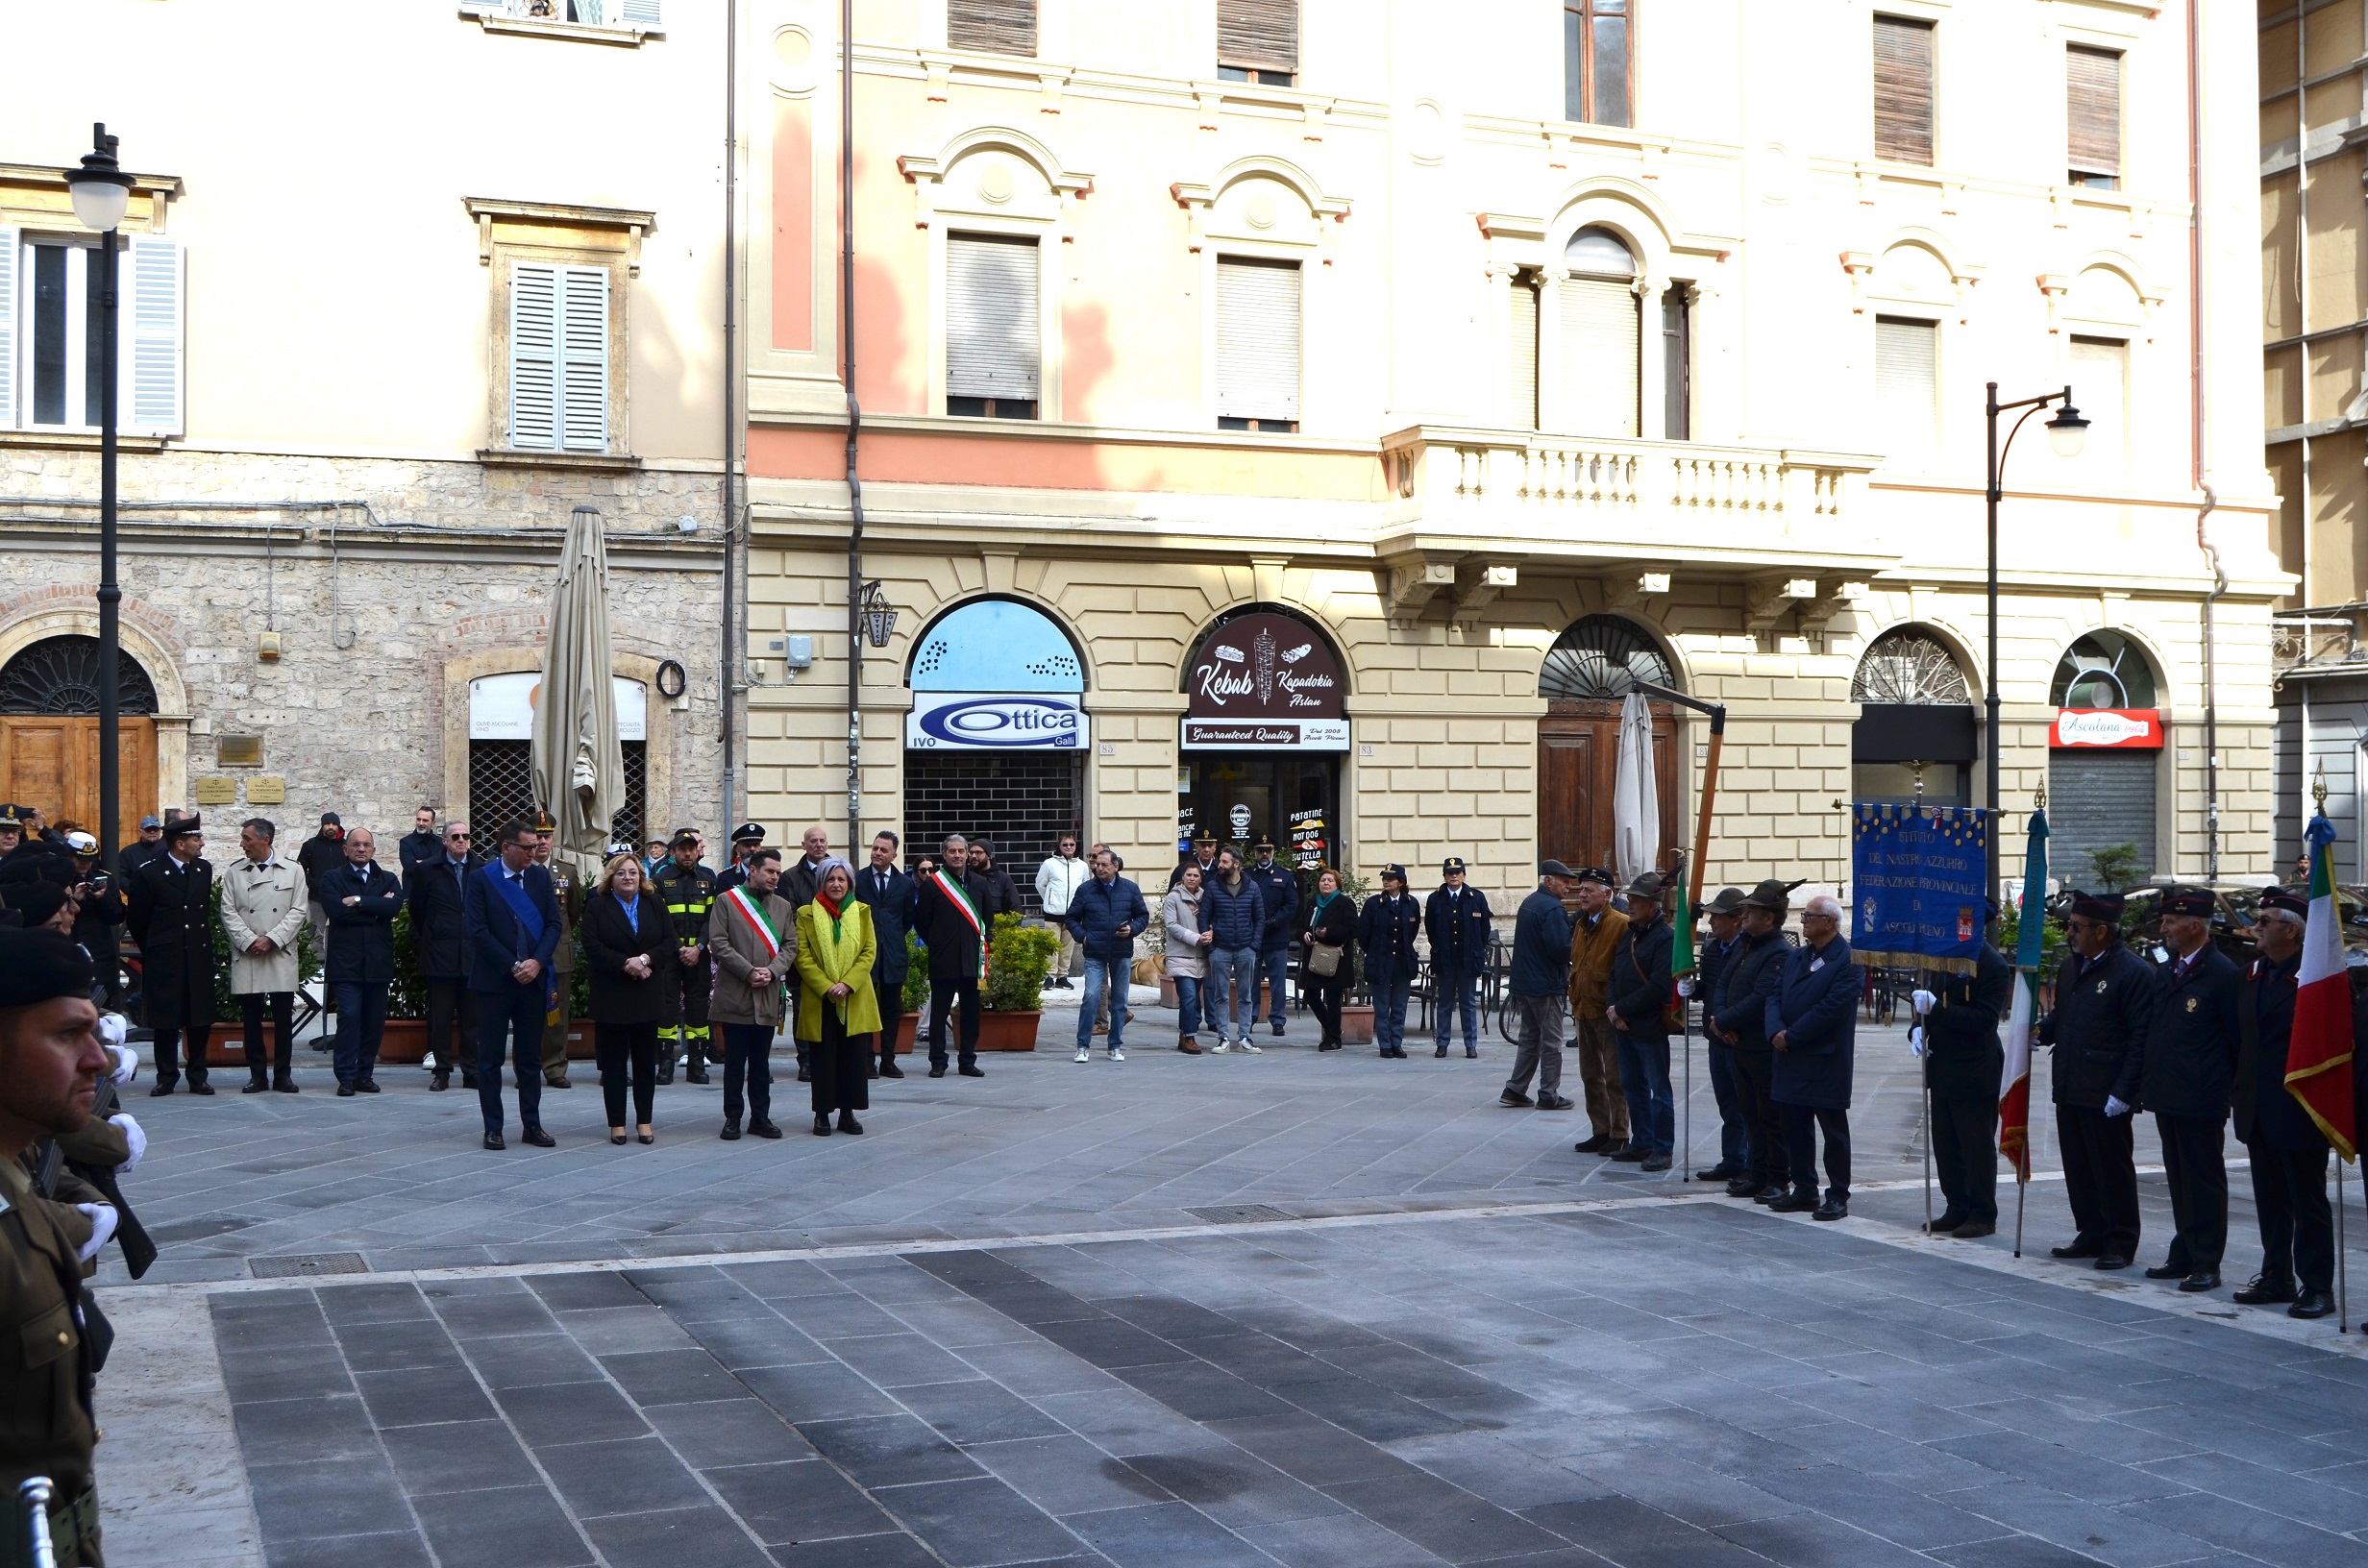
(2233, 918)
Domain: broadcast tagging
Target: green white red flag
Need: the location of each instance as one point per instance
(2318, 1057)
(2014, 1080)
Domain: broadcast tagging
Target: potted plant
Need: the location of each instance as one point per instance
(226, 1046)
(1017, 961)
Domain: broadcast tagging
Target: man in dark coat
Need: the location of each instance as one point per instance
(170, 912)
(1458, 922)
(420, 845)
(2104, 1001)
(949, 917)
(1385, 930)
(1725, 914)
(1203, 855)
(512, 916)
(360, 900)
(1964, 1063)
(1812, 1024)
(1279, 895)
(1105, 916)
(2289, 1151)
(746, 840)
(895, 903)
(436, 890)
(141, 850)
(1737, 1017)
(1540, 973)
(2192, 1048)
(319, 855)
(1638, 1008)
(1003, 894)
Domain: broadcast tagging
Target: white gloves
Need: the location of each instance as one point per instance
(112, 1032)
(1685, 987)
(132, 1136)
(1925, 1001)
(2115, 1106)
(102, 1227)
(1915, 1041)
(127, 1062)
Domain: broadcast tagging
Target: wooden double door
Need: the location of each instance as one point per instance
(52, 763)
(1578, 770)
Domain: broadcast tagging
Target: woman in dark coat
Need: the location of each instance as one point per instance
(628, 941)
(1331, 920)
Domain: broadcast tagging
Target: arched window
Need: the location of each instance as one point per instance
(2104, 670)
(1600, 334)
(1910, 666)
(59, 675)
(1915, 738)
(1601, 658)
(997, 645)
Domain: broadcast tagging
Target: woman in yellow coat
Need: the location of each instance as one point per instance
(838, 1014)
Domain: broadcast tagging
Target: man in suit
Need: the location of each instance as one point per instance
(947, 915)
(799, 880)
(2105, 1002)
(171, 916)
(568, 890)
(1963, 1064)
(512, 918)
(360, 900)
(1457, 919)
(1812, 1024)
(2192, 1049)
(2289, 1151)
(895, 904)
(752, 932)
(436, 890)
(1737, 1017)
(1637, 1007)
(1725, 914)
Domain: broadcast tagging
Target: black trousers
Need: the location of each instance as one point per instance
(2198, 1177)
(626, 1054)
(282, 1008)
(1802, 1125)
(943, 994)
(2298, 1230)
(509, 1023)
(840, 1065)
(168, 1043)
(688, 987)
(748, 1064)
(1965, 1157)
(1323, 999)
(452, 1026)
(1771, 1155)
(2100, 1177)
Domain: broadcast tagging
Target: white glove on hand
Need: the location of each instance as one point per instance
(102, 1227)
(2114, 1105)
(1685, 987)
(133, 1136)
(127, 1063)
(1925, 1001)
(1915, 1042)
(114, 1030)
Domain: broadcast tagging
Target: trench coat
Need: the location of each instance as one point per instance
(266, 900)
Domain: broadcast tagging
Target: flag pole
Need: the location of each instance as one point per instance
(2343, 1274)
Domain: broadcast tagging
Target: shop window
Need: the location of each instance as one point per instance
(1258, 328)
(1597, 52)
(1902, 89)
(992, 343)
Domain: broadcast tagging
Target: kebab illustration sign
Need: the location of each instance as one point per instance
(1266, 682)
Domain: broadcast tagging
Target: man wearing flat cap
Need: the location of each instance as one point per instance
(1457, 920)
(1540, 975)
(1594, 939)
(2289, 1151)
(170, 911)
(1738, 1019)
(2105, 1002)
(1385, 930)
(1964, 1063)
(1638, 993)
(1725, 914)
(2190, 1068)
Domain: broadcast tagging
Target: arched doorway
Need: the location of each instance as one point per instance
(2103, 757)
(49, 733)
(1266, 724)
(1914, 707)
(1590, 669)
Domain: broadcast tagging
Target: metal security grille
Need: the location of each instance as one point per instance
(1021, 805)
(502, 786)
(61, 676)
(297, 1266)
(2096, 800)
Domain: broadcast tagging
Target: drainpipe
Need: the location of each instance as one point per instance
(2196, 432)
(730, 667)
(854, 428)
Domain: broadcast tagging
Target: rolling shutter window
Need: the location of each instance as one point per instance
(12, 261)
(150, 285)
(2097, 799)
(2092, 117)
(1903, 90)
(1522, 355)
(1257, 339)
(992, 342)
(1258, 34)
(2100, 391)
(1599, 356)
(994, 27)
(558, 358)
(1907, 364)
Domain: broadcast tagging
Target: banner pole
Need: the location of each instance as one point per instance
(2343, 1273)
(1686, 1143)
(1924, 1066)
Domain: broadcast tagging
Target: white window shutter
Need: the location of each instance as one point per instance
(1257, 339)
(12, 263)
(641, 13)
(583, 355)
(533, 357)
(991, 336)
(1907, 392)
(1599, 374)
(150, 282)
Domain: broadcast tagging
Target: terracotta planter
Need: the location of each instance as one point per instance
(404, 1043)
(1356, 1025)
(906, 1028)
(999, 1031)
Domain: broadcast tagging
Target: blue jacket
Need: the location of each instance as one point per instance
(1237, 918)
(362, 936)
(1099, 908)
(896, 902)
(1387, 933)
(496, 939)
(1278, 892)
(1816, 1009)
(1747, 982)
(1541, 947)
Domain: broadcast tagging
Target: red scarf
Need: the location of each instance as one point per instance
(827, 902)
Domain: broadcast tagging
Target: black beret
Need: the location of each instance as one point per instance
(38, 966)
(58, 869)
(37, 901)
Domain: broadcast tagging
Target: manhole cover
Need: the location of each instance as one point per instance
(298, 1264)
(1240, 1213)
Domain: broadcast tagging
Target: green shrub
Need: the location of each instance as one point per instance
(916, 974)
(1017, 964)
(225, 1006)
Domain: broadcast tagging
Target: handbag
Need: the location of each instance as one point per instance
(1324, 959)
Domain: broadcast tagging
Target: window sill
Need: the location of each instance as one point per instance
(78, 441)
(587, 462)
(530, 27)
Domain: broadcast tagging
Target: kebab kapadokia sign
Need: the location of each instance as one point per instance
(1266, 682)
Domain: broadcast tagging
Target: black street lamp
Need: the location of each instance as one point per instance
(101, 192)
(2067, 432)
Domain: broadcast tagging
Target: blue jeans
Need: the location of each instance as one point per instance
(1276, 967)
(1734, 1131)
(1463, 991)
(1390, 1013)
(1098, 975)
(1644, 1080)
(361, 1020)
(1225, 965)
(1187, 1003)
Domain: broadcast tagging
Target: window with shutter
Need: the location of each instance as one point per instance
(10, 335)
(1902, 89)
(149, 288)
(1522, 351)
(1601, 331)
(1676, 364)
(993, 27)
(1258, 40)
(583, 358)
(1257, 344)
(2100, 391)
(1596, 55)
(993, 344)
(1907, 365)
(558, 358)
(533, 357)
(2093, 118)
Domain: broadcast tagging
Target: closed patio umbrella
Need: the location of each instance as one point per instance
(1636, 794)
(578, 764)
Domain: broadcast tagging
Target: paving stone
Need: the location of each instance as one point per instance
(976, 1522)
(797, 1501)
(464, 1456)
(706, 1536)
(553, 1415)
(887, 1449)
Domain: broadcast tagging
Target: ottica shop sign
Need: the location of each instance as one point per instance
(993, 722)
(2136, 729)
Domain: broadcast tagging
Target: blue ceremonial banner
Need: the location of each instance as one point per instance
(1921, 874)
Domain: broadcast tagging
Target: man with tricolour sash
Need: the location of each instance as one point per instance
(953, 899)
(752, 933)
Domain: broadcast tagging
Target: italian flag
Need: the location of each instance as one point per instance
(2014, 1080)
(2318, 1055)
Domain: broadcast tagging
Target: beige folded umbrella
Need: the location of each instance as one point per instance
(578, 762)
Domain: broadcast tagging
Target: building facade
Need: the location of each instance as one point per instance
(375, 350)
(1310, 418)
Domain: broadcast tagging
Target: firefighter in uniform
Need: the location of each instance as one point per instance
(568, 890)
(687, 889)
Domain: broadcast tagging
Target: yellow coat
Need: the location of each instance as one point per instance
(842, 959)
(1591, 962)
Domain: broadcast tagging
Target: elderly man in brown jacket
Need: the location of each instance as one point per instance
(1594, 940)
(752, 932)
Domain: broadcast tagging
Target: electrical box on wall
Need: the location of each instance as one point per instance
(796, 653)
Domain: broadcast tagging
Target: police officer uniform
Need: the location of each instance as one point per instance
(1278, 892)
(1203, 855)
(1964, 1067)
(2097, 1029)
(567, 888)
(688, 893)
(1458, 921)
(2192, 1048)
(171, 915)
(746, 840)
(1385, 930)
(2289, 1151)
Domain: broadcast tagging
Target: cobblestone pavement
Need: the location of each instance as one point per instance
(993, 1331)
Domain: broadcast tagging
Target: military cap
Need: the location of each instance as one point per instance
(2194, 901)
(181, 827)
(749, 833)
(683, 836)
(1207, 835)
(2286, 901)
(1774, 894)
(37, 965)
(1597, 875)
(1394, 872)
(1263, 847)
(543, 823)
(82, 844)
(1729, 902)
(12, 816)
(2103, 908)
(1453, 863)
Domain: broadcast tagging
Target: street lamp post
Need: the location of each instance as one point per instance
(101, 192)
(2066, 432)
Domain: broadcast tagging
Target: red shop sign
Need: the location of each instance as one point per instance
(2134, 728)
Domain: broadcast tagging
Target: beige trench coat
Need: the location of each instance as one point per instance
(266, 900)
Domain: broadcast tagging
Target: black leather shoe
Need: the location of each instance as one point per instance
(439, 1082)
(161, 1089)
(468, 1080)
(1471, 1053)
(2109, 1263)
(493, 1141)
(889, 1069)
(970, 1072)
(1441, 1053)
(1831, 1209)
(2078, 1249)
(1799, 1201)
(822, 1126)
(1743, 1186)
(345, 1090)
(368, 1085)
(1597, 1144)
(538, 1137)
(1654, 1162)
(1772, 1196)
(731, 1132)
(285, 1085)
(696, 1075)
(2265, 1291)
(805, 1075)
(198, 1086)
(1723, 1171)
(1554, 1102)
(2199, 1281)
(2311, 1304)
(2167, 1272)
(1975, 1230)
(1626, 1154)
(1512, 1099)
(847, 1123)
(257, 1085)
(1945, 1225)
(761, 1128)
(666, 1071)
(937, 1069)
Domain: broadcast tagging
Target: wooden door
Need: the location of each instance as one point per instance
(1578, 770)
(53, 763)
